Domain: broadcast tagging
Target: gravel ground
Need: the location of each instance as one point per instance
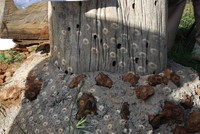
(53, 108)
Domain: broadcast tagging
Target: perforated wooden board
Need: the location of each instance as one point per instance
(108, 35)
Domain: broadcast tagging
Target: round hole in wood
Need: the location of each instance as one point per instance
(101, 41)
(95, 36)
(66, 72)
(147, 44)
(136, 60)
(119, 46)
(133, 5)
(114, 63)
(147, 61)
(155, 3)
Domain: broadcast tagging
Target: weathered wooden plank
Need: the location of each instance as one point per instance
(2, 6)
(115, 36)
(30, 23)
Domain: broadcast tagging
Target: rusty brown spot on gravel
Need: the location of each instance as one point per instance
(179, 130)
(75, 81)
(192, 123)
(103, 80)
(156, 79)
(187, 101)
(170, 113)
(86, 104)
(125, 113)
(11, 96)
(169, 74)
(131, 78)
(144, 91)
(33, 87)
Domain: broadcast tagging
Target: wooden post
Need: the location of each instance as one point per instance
(30, 23)
(109, 35)
(2, 6)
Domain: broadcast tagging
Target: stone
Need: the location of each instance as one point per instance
(8, 74)
(144, 91)
(172, 112)
(21, 49)
(187, 101)
(165, 80)
(11, 96)
(103, 80)
(155, 120)
(156, 79)
(2, 77)
(11, 71)
(131, 78)
(8, 78)
(175, 79)
(179, 130)
(192, 123)
(87, 104)
(32, 88)
(3, 67)
(169, 74)
(1, 82)
(75, 81)
(125, 113)
(43, 48)
(197, 91)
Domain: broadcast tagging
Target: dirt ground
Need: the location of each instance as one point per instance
(10, 60)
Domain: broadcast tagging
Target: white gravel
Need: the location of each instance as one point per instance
(50, 112)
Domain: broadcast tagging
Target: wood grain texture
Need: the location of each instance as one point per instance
(2, 6)
(30, 23)
(109, 35)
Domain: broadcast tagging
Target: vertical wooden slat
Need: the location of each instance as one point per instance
(2, 7)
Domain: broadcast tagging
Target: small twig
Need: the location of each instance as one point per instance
(20, 128)
(74, 102)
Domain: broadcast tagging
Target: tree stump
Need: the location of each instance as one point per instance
(109, 35)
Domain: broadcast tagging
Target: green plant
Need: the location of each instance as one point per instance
(22, 131)
(2, 57)
(11, 56)
(182, 50)
(80, 125)
(188, 17)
